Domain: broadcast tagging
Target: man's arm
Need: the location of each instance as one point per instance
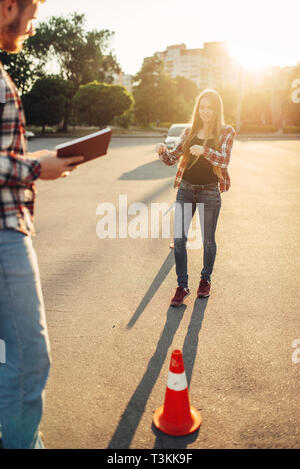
(19, 170)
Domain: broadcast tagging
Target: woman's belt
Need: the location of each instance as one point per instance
(201, 187)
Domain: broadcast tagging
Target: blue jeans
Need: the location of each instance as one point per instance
(23, 329)
(186, 204)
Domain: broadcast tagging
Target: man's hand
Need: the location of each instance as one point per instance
(197, 150)
(38, 154)
(53, 167)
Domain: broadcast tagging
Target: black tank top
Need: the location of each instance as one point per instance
(202, 171)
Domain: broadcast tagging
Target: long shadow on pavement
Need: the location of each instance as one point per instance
(157, 282)
(149, 171)
(191, 340)
(189, 351)
(133, 413)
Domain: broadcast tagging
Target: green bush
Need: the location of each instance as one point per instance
(291, 130)
(97, 104)
(125, 120)
(45, 105)
(164, 125)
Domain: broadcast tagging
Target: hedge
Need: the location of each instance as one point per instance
(164, 125)
(291, 130)
(245, 129)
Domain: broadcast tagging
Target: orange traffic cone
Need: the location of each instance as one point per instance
(176, 416)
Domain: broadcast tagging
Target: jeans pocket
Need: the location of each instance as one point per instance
(212, 198)
(212, 191)
(182, 194)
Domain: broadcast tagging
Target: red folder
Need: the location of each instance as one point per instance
(91, 146)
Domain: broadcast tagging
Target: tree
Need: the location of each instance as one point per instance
(229, 97)
(81, 56)
(125, 119)
(187, 88)
(98, 103)
(160, 97)
(186, 94)
(109, 67)
(45, 104)
(256, 107)
(24, 68)
(154, 93)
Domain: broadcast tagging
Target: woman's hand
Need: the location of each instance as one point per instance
(160, 147)
(197, 150)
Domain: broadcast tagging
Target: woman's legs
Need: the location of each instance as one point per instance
(184, 212)
(212, 205)
(185, 208)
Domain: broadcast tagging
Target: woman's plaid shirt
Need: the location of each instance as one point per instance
(17, 171)
(220, 158)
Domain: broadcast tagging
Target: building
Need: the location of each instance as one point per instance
(208, 67)
(123, 80)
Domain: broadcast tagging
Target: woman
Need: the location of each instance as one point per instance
(205, 149)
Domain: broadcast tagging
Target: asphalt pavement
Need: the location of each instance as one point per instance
(107, 300)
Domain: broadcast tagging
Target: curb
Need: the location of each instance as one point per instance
(162, 137)
(138, 136)
(241, 137)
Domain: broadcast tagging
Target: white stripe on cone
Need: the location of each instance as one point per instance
(177, 381)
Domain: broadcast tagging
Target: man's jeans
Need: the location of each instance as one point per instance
(186, 204)
(24, 331)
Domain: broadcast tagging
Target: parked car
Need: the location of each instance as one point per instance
(29, 134)
(174, 133)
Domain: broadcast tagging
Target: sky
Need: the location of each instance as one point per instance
(258, 33)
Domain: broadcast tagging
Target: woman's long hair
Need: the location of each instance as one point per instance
(197, 124)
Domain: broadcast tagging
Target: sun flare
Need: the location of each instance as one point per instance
(250, 57)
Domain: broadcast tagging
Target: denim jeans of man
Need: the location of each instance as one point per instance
(186, 204)
(23, 329)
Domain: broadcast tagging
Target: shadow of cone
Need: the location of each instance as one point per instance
(176, 417)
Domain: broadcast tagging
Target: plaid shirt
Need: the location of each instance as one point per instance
(17, 171)
(218, 158)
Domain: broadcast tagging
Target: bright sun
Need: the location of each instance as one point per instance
(250, 58)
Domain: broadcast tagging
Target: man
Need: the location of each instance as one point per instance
(22, 317)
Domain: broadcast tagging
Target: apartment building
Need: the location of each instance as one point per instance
(123, 80)
(208, 67)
